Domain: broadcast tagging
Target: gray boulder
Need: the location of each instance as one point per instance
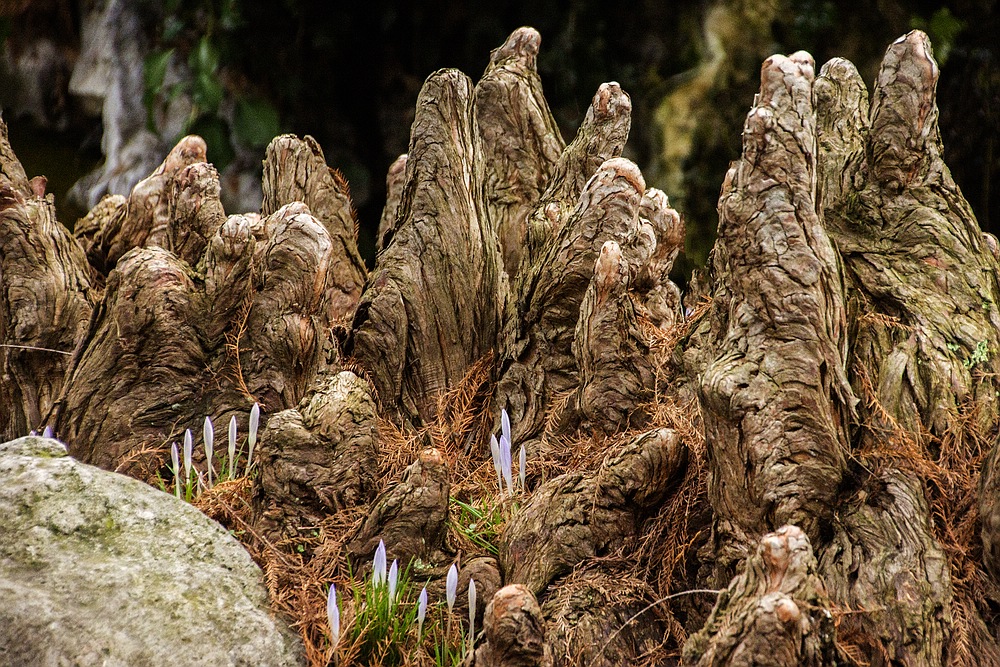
(101, 569)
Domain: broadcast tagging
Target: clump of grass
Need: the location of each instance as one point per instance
(388, 624)
(480, 522)
(384, 616)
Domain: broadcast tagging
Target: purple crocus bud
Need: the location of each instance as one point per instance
(333, 615)
(378, 565)
(209, 433)
(451, 586)
(232, 447)
(505, 424)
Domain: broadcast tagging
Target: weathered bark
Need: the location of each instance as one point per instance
(661, 298)
(927, 280)
(200, 316)
(920, 288)
(88, 229)
(162, 353)
(430, 308)
(577, 515)
(394, 182)
(570, 224)
(602, 619)
(911, 246)
(176, 208)
(601, 137)
(616, 370)
(46, 298)
(539, 364)
(519, 139)
(316, 459)
(296, 171)
(486, 573)
(411, 517)
(989, 512)
(775, 613)
(775, 399)
(483, 569)
(514, 631)
(885, 559)
(848, 266)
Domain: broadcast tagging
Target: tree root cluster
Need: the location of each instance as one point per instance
(814, 440)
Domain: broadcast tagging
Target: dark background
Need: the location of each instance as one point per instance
(349, 74)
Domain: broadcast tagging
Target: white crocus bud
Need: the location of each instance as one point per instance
(495, 451)
(421, 612)
(505, 463)
(393, 580)
(188, 447)
(175, 461)
(472, 613)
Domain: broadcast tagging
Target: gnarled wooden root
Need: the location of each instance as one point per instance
(576, 516)
(411, 517)
(47, 295)
(775, 613)
(316, 459)
(616, 369)
(513, 632)
(602, 619)
(775, 399)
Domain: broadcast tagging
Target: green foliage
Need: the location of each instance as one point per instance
(446, 654)
(384, 630)
(206, 90)
(382, 622)
(256, 122)
(206, 34)
(154, 71)
(230, 470)
(480, 522)
(980, 355)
